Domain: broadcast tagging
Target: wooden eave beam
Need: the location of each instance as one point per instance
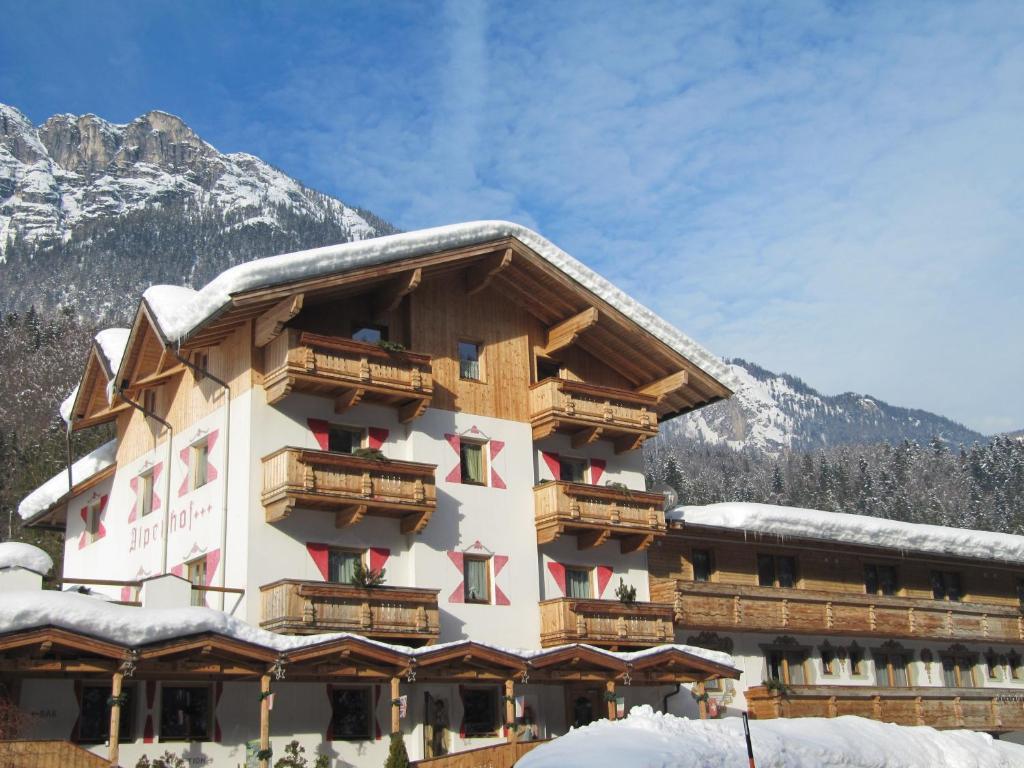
(270, 324)
(566, 333)
(480, 275)
(391, 295)
(666, 386)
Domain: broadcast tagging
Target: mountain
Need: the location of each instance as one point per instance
(92, 212)
(771, 412)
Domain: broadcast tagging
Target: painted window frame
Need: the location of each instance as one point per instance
(192, 569)
(588, 572)
(467, 595)
(480, 445)
(201, 363)
(480, 376)
(199, 456)
(891, 660)
(958, 662)
(149, 399)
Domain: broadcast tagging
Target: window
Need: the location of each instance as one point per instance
(1013, 662)
(828, 661)
(786, 666)
(1020, 592)
(351, 716)
(370, 334)
(200, 464)
(469, 361)
(341, 439)
(341, 565)
(776, 571)
(856, 661)
(145, 491)
(477, 584)
(480, 711)
(577, 583)
(197, 577)
(94, 714)
(994, 665)
(891, 668)
(572, 470)
(471, 459)
(186, 713)
(702, 566)
(149, 400)
(946, 585)
(547, 369)
(92, 521)
(958, 670)
(880, 579)
(201, 361)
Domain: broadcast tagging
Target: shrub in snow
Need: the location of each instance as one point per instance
(167, 760)
(397, 756)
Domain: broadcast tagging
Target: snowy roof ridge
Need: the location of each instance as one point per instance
(111, 343)
(180, 313)
(797, 522)
(131, 626)
(18, 554)
(56, 488)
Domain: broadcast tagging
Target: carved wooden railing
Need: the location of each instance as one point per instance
(347, 370)
(591, 412)
(605, 623)
(305, 607)
(982, 709)
(350, 486)
(496, 756)
(48, 754)
(707, 605)
(595, 513)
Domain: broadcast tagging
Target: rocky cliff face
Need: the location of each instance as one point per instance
(92, 212)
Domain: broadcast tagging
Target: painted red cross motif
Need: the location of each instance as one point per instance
(101, 531)
(185, 454)
(133, 513)
(459, 561)
(494, 448)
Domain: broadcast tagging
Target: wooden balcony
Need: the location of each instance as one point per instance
(595, 513)
(608, 623)
(347, 370)
(350, 486)
(704, 605)
(981, 709)
(592, 413)
(296, 607)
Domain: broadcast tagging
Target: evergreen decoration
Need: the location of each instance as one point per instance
(167, 760)
(294, 756)
(367, 578)
(397, 756)
(374, 454)
(391, 346)
(119, 701)
(776, 686)
(626, 594)
(610, 696)
(265, 695)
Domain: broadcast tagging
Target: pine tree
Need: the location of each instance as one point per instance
(397, 756)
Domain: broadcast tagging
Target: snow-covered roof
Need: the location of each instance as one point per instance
(17, 554)
(649, 738)
(67, 405)
(795, 522)
(179, 311)
(133, 627)
(111, 343)
(56, 488)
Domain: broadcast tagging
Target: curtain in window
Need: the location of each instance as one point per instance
(341, 566)
(899, 672)
(469, 360)
(476, 580)
(796, 668)
(577, 583)
(472, 463)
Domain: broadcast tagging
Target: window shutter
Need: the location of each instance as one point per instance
(455, 475)
(597, 467)
(376, 437)
(557, 571)
(554, 465)
(319, 429)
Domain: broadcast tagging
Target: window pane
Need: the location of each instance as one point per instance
(185, 714)
(350, 713)
(796, 669)
(476, 581)
(472, 463)
(480, 708)
(200, 459)
(774, 663)
(145, 485)
(766, 570)
(577, 582)
(786, 571)
(881, 671)
(899, 671)
(469, 360)
(343, 440)
(938, 586)
(701, 565)
(856, 662)
(828, 660)
(952, 582)
(197, 576)
(341, 566)
(870, 579)
(887, 579)
(571, 470)
(94, 714)
(949, 673)
(966, 673)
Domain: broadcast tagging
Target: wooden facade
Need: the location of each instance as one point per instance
(392, 614)
(983, 709)
(498, 756)
(350, 486)
(596, 513)
(605, 623)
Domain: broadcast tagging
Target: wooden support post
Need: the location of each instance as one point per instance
(396, 725)
(702, 704)
(609, 688)
(116, 686)
(510, 709)
(265, 718)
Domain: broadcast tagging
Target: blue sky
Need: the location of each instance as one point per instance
(831, 189)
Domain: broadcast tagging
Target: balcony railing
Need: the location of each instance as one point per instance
(595, 513)
(981, 709)
(705, 605)
(592, 413)
(386, 613)
(605, 623)
(347, 370)
(350, 486)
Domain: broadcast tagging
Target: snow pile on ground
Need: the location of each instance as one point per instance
(132, 627)
(649, 739)
(18, 554)
(180, 312)
(796, 522)
(54, 489)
